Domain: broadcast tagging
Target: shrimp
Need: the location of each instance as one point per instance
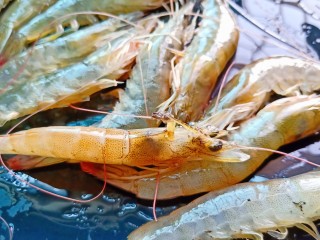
(18, 13)
(73, 83)
(205, 57)
(150, 76)
(252, 87)
(244, 211)
(201, 176)
(40, 25)
(63, 51)
(140, 147)
(211, 176)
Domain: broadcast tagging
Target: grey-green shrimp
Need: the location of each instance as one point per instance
(42, 24)
(149, 84)
(49, 57)
(18, 13)
(269, 121)
(73, 83)
(243, 211)
(208, 49)
(252, 87)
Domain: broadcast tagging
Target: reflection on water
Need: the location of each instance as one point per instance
(313, 36)
(35, 215)
(114, 215)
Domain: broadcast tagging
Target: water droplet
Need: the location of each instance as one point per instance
(100, 209)
(110, 199)
(75, 209)
(70, 215)
(86, 196)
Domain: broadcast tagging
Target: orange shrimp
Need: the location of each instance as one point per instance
(116, 146)
(296, 112)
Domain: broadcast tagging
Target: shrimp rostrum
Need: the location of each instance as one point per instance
(244, 211)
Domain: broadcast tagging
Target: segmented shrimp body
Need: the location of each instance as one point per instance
(243, 211)
(279, 123)
(207, 53)
(18, 13)
(148, 85)
(50, 56)
(41, 25)
(73, 83)
(116, 146)
(252, 87)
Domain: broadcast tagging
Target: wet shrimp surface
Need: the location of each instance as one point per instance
(34, 215)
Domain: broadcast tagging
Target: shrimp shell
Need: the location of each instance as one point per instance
(73, 83)
(64, 51)
(140, 147)
(212, 46)
(42, 25)
(243, 211)
(150, 77)
(279, 123)
(252, 87)
(18, 13)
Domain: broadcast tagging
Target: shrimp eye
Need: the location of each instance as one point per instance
(213, 134)
(216, 147)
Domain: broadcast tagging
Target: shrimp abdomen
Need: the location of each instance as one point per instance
(92, 144)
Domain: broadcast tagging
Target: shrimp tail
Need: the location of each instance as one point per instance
(24, 162)
(91, 168)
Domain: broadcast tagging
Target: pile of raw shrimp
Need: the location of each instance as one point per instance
(146, 70)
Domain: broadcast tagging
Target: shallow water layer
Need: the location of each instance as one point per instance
(34, 215)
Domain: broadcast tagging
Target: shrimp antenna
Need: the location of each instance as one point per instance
(155, 198)
(223, 82)
(279, 152)
(109, 113)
